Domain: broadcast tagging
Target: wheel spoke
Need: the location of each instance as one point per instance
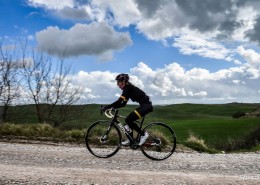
(161, 142)
(100, 142)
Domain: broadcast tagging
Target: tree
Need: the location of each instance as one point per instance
(33, 77)
(9, 83)
(61, 95)
(34, 74)
(48, 84)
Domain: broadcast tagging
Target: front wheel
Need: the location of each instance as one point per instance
(161, 142)
(103, 140)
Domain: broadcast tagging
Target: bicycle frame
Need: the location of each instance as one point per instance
(115, 121)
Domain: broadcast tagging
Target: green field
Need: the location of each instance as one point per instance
(212, 123)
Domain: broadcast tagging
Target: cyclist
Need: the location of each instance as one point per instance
(136, 95)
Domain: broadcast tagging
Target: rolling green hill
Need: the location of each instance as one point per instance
(212, 123)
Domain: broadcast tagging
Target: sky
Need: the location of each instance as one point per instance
(177, 51)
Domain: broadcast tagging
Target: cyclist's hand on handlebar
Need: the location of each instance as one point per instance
(103, 108)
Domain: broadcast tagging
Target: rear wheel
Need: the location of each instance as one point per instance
(102, 141)
(161, 142)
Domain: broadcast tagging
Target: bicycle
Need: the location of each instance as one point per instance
(103, 138)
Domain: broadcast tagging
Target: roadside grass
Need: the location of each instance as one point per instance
(198, 144)
(44, 132)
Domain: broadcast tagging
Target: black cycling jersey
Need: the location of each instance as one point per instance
(136, 95)
(131, 92)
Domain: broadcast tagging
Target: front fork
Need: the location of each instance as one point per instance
(104, 138)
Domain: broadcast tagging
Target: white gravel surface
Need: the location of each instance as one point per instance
(73, 165)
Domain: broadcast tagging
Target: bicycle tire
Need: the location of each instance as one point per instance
(100, 145)
(161, 142)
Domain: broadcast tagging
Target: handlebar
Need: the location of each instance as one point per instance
(109, 113)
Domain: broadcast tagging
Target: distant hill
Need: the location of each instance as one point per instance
(91, 112)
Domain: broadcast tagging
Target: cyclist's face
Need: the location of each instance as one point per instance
(121, 84)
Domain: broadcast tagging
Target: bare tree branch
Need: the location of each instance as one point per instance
(9, 83)
(50, 88)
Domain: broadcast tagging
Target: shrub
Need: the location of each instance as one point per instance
(76, 134)
(198, 144)
(251, 140)
(238, 114)
(10, 129)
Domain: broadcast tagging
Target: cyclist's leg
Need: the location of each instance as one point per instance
(130, 122)
(137, 114)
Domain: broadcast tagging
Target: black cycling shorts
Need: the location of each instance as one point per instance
(143, 110)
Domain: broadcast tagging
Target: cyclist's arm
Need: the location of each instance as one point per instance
(121, 102)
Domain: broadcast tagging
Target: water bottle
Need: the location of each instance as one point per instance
(127, 128)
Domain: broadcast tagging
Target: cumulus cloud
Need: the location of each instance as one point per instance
(191, 44)
(149, 7)
(253, 60)
(209, 15)
(222, 18)
(174, 84)
(74, 13)
(96, 39)
(166, 22)
(201, 28)
(182, 21)
(94, 84)
(254, 34)
(69, 9)
(246, 16)
(122, 13)
(50, 4)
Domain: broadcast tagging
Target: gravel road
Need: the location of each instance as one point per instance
(73, 165)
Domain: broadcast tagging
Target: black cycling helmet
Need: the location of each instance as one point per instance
(122, 77)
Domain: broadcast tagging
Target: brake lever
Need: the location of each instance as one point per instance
(101, 110)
